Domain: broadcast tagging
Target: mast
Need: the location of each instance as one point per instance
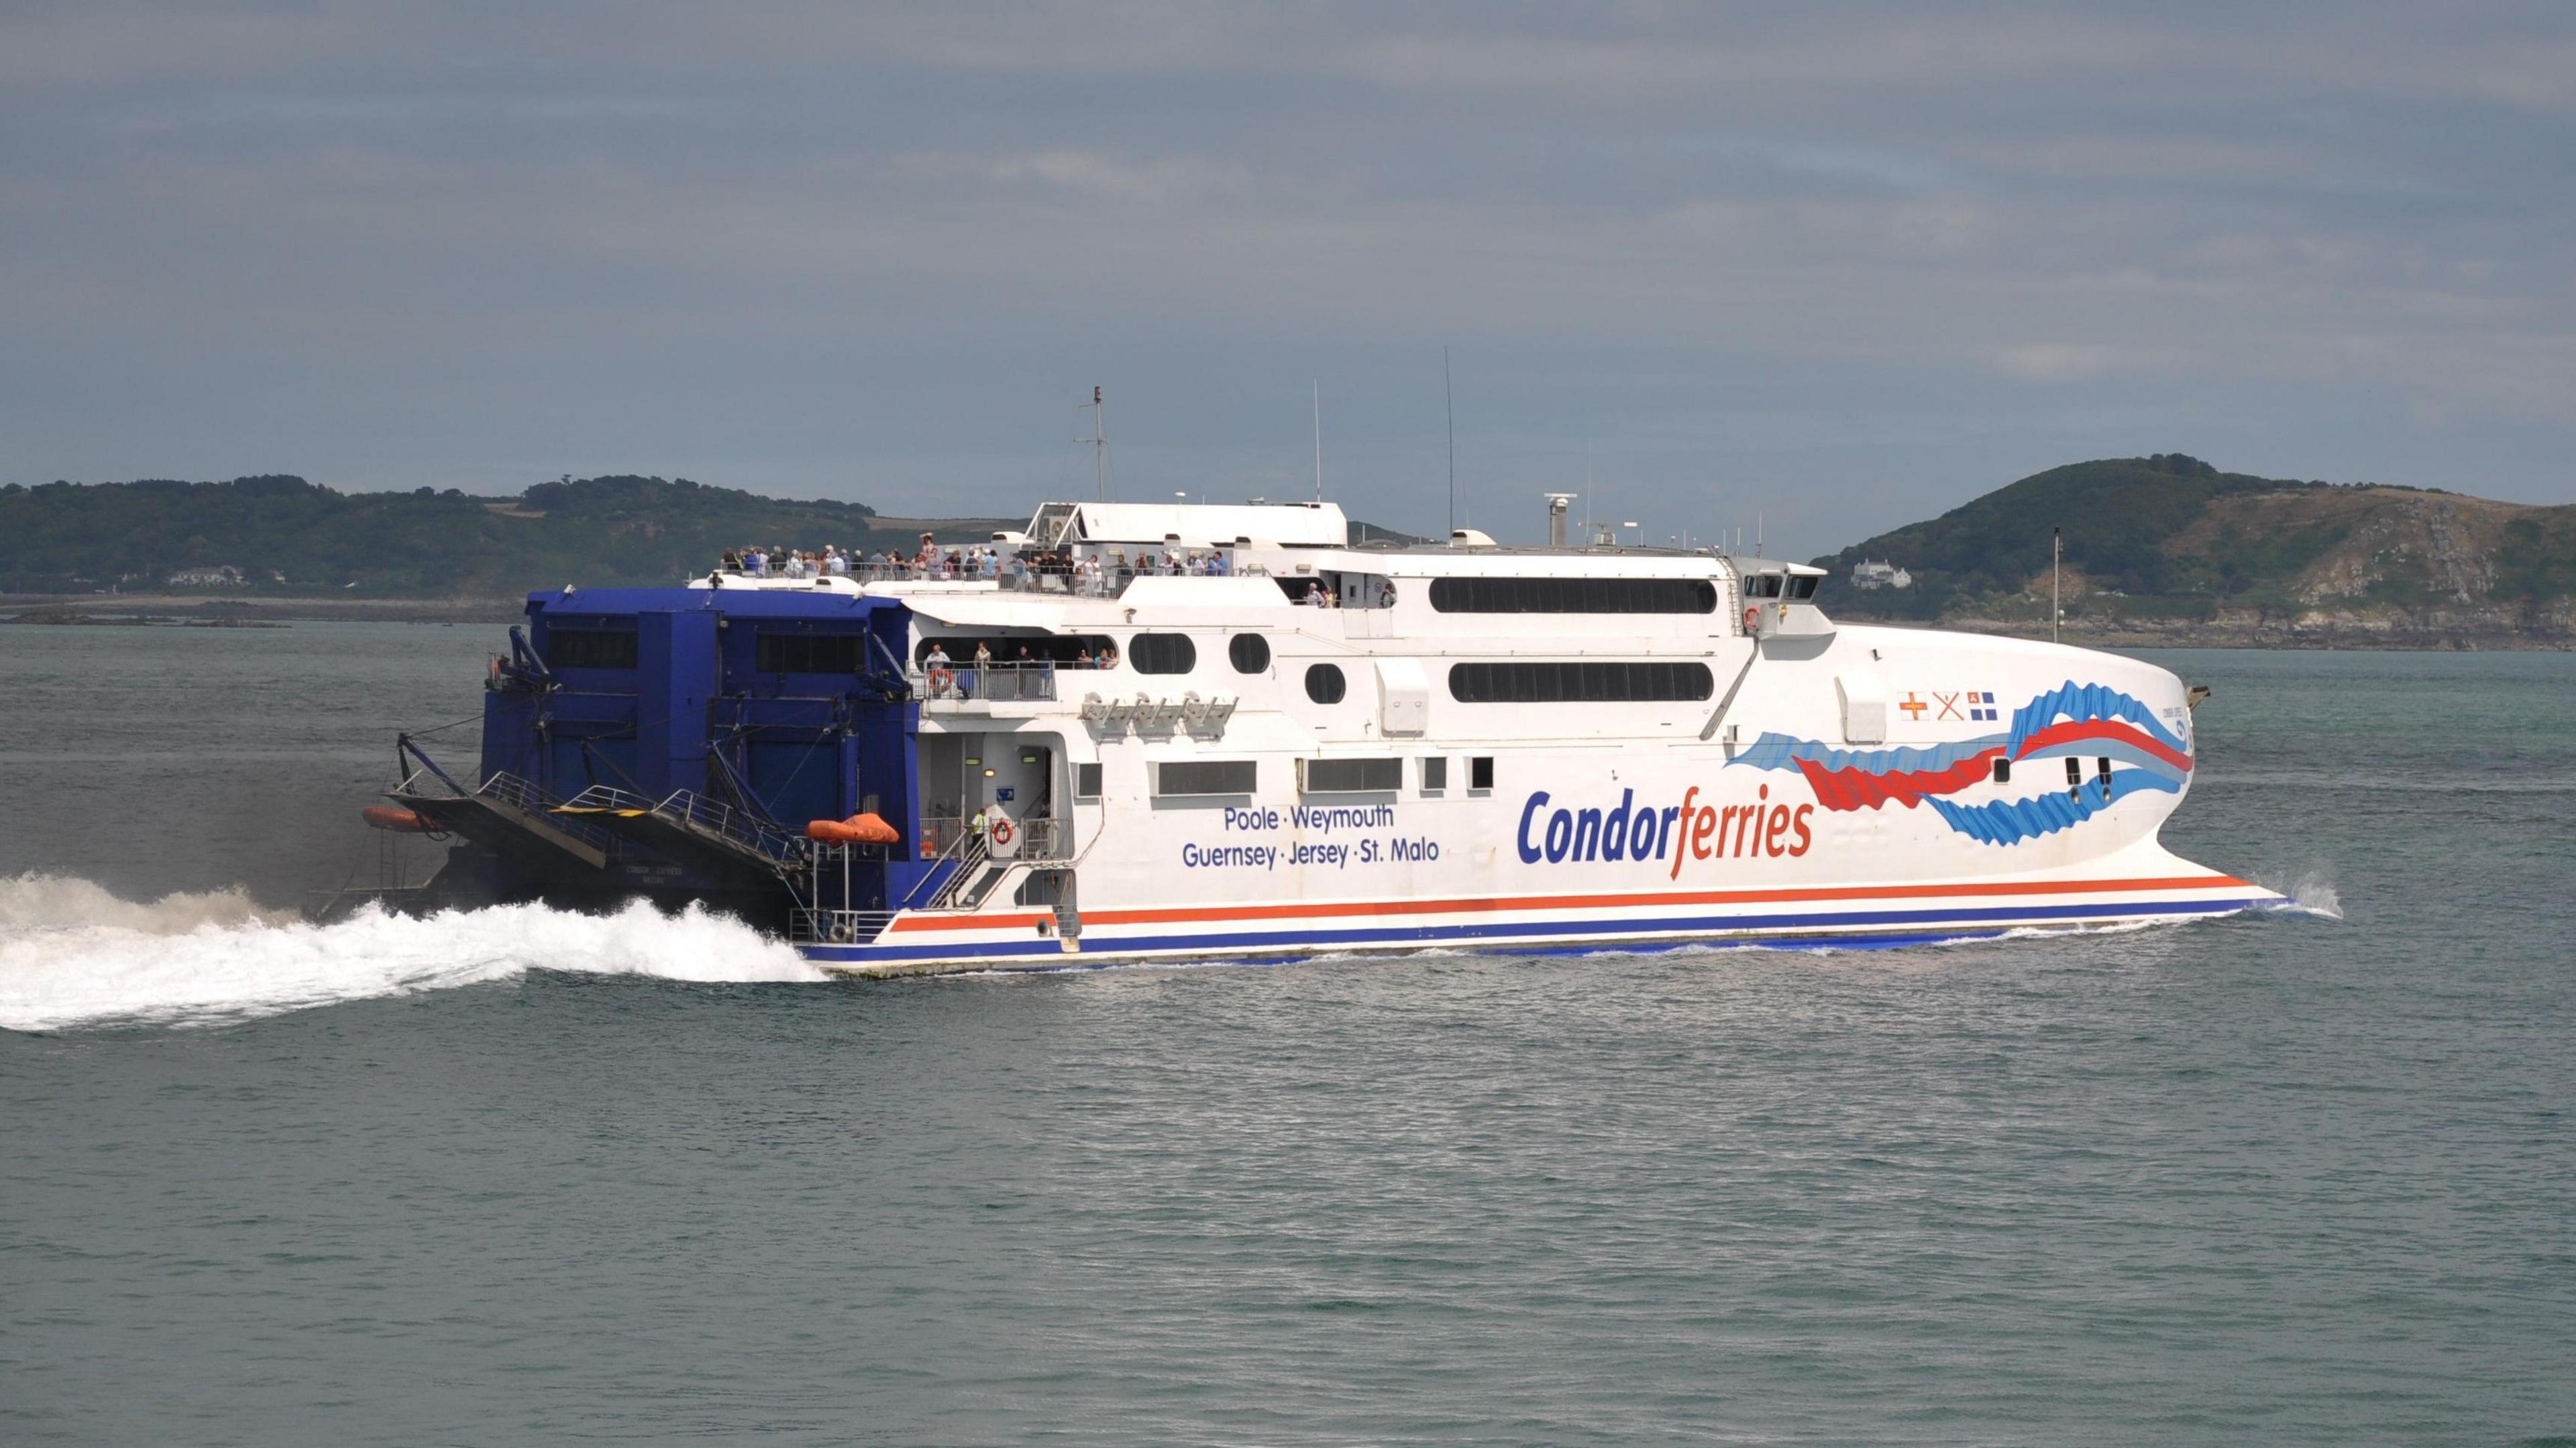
(2056, 553)
(1449, 403)
(1319, 441)
(1099, 440)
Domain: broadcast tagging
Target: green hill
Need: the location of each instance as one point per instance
(284, 535)
(2169, 541)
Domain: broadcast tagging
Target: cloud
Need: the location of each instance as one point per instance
(290, 225)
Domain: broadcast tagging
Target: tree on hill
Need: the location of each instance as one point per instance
(2117, 514)
(285, 533)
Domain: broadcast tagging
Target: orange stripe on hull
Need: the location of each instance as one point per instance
(1336, 909)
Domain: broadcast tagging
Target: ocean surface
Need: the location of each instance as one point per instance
(525, 1177)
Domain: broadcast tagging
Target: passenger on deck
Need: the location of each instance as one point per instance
(1109, 656)
(732, 562)
(935, 671)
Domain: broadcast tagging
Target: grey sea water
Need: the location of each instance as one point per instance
(530, 1178)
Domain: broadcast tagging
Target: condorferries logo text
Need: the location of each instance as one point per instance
(1689, 830)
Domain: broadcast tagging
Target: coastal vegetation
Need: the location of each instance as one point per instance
(2157, 549)
(284, 535)
(2170, 548)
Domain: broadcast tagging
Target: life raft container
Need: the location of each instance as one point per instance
(858, 829)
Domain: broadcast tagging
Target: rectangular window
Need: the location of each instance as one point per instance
(1349, 776)
(568, 648)
(798, 653)
(1200, 777)
(1086, 781)
(2003, 770)
(1592, 681)
(1573, 595)
(1435, 774)
(1480, 772)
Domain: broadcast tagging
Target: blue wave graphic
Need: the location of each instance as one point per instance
(2009, 822)
(1780, 751)
(2087, 701)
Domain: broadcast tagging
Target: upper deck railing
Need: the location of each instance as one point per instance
(1090, 575)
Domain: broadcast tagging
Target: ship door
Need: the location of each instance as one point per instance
(1053, 891)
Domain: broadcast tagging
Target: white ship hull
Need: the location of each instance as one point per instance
(1829, 785)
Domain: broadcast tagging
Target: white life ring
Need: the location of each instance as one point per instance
(1002, 832)
(940, 679)
(1753, 618)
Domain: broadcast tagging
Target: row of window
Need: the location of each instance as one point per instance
(1775, 585)
(590, 648)
(1207, 778)
(1573, 595)
(1590, 681)
(787, 653)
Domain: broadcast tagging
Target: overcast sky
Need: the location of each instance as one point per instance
(1849, 265)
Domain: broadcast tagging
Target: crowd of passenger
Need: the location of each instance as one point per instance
(1055, 569)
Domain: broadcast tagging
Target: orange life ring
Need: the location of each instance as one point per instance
(1753, 618)
(1002, 832)
(940, 679)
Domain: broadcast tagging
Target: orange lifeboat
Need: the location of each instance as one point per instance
(386, 817)
(858, 829)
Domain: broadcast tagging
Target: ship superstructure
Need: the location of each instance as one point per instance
(1196, 731)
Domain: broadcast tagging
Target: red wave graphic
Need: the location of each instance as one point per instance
(2074, 730)
(1850, 789)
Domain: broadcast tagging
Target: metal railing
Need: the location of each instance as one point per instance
(996, 682)
(530, 799)
(1032, 839)
(1088, 576)
(687, 807)
(835, 927)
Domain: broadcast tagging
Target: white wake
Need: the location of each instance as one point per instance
(71, 954)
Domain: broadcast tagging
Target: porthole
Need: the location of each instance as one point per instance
(1153, 653)
(1324, 684)
(1249, 653)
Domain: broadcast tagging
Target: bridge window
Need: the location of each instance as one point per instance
(1592, 681)
(1349, 776)
(1160, 653)
(1325, 684)
(587, 648)
(789, 653)
(1762, 585)
(1803, 585)
(1202, 777)
(1249, 653)
(1573, 595)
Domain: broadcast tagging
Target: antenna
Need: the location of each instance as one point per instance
(1319, 441)
(2056, 554)
(1449, 401)
(1099, 440)
(1757, 534)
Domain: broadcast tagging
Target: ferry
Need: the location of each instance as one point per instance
(1204, 732)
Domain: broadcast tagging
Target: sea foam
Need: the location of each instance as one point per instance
(72, 954)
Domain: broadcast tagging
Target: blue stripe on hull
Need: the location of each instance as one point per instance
(1875, 924)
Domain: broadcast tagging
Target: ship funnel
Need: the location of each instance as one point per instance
(1557, 506)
